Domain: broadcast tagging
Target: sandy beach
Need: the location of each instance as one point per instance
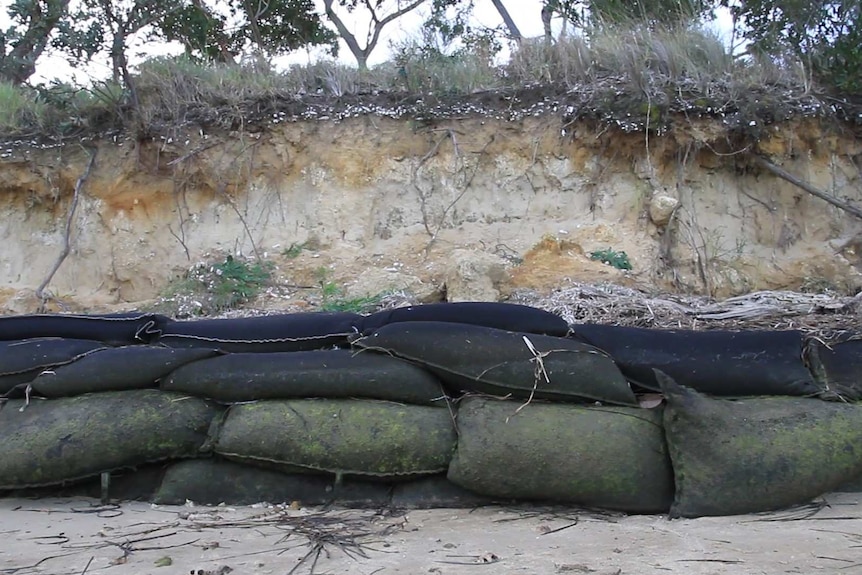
(80, 536)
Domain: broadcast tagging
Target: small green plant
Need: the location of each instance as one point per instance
(333, 296)
(293, 250)
(213, 287)
(355, 305)
(619, 260)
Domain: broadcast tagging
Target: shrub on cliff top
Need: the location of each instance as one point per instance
(611, 71)
(213, 287)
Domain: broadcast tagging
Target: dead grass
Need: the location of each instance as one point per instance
(824, 315)
(614, 74)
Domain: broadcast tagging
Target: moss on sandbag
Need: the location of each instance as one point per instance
(608, 457)
(759, 454)
(59, 440)
(360, 437)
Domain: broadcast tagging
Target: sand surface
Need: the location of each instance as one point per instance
(80, 536)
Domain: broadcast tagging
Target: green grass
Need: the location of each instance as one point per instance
(216, 286)
(19, 108)
(333, 298)
(293, 251)
(619, 260)
(611, 68)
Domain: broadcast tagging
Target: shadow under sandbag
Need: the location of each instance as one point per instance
(213, 481)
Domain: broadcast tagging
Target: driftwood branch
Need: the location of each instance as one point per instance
(785, 175)
(67, 236)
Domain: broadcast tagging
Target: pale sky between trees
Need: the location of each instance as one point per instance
(525, 13)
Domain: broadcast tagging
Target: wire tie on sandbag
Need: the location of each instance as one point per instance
(539, 372)
(27, 391)
(539, 359)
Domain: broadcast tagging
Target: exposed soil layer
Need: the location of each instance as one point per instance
(437, 206)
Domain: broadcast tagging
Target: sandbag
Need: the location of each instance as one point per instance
(838, 369)
(114, 329)
(300, 374)
(493, 361)
(606, 457)
(758, 454)
(115, 369)
(22, 361)
(128, 484)
(506, 316)
(724, 363)
(435, 492)
(263, 334)
(56, 440)
(215, 481)
(349, 437)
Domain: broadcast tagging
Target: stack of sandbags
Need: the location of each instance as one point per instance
(445, 404)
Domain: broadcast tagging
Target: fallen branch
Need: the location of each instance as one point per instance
(785, 175)
(67, 237)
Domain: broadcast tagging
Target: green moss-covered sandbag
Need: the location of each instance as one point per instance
(59, 440)
(759, 454)
(608, 457)
(354, 437)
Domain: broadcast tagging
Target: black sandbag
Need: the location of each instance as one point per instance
(56, 440)
(838, 369)
(506, 316)
(758, 454)
(436, 492)
(342, 436)
(493, 361)
(115, 369)
(214, 481)
(115, 329)
(724, 363)
(262, 334)
(605, 457)
(22, 361)
(297, 374)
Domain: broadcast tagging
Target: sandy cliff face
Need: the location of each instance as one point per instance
(386, 204)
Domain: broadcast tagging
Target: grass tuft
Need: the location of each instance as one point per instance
(213, 287)
(610, 71)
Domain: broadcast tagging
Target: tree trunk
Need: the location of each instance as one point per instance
(20, 63)
(547, 14)
(510, 24)
(361, 54)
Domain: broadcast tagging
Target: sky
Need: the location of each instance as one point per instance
(525, 13)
